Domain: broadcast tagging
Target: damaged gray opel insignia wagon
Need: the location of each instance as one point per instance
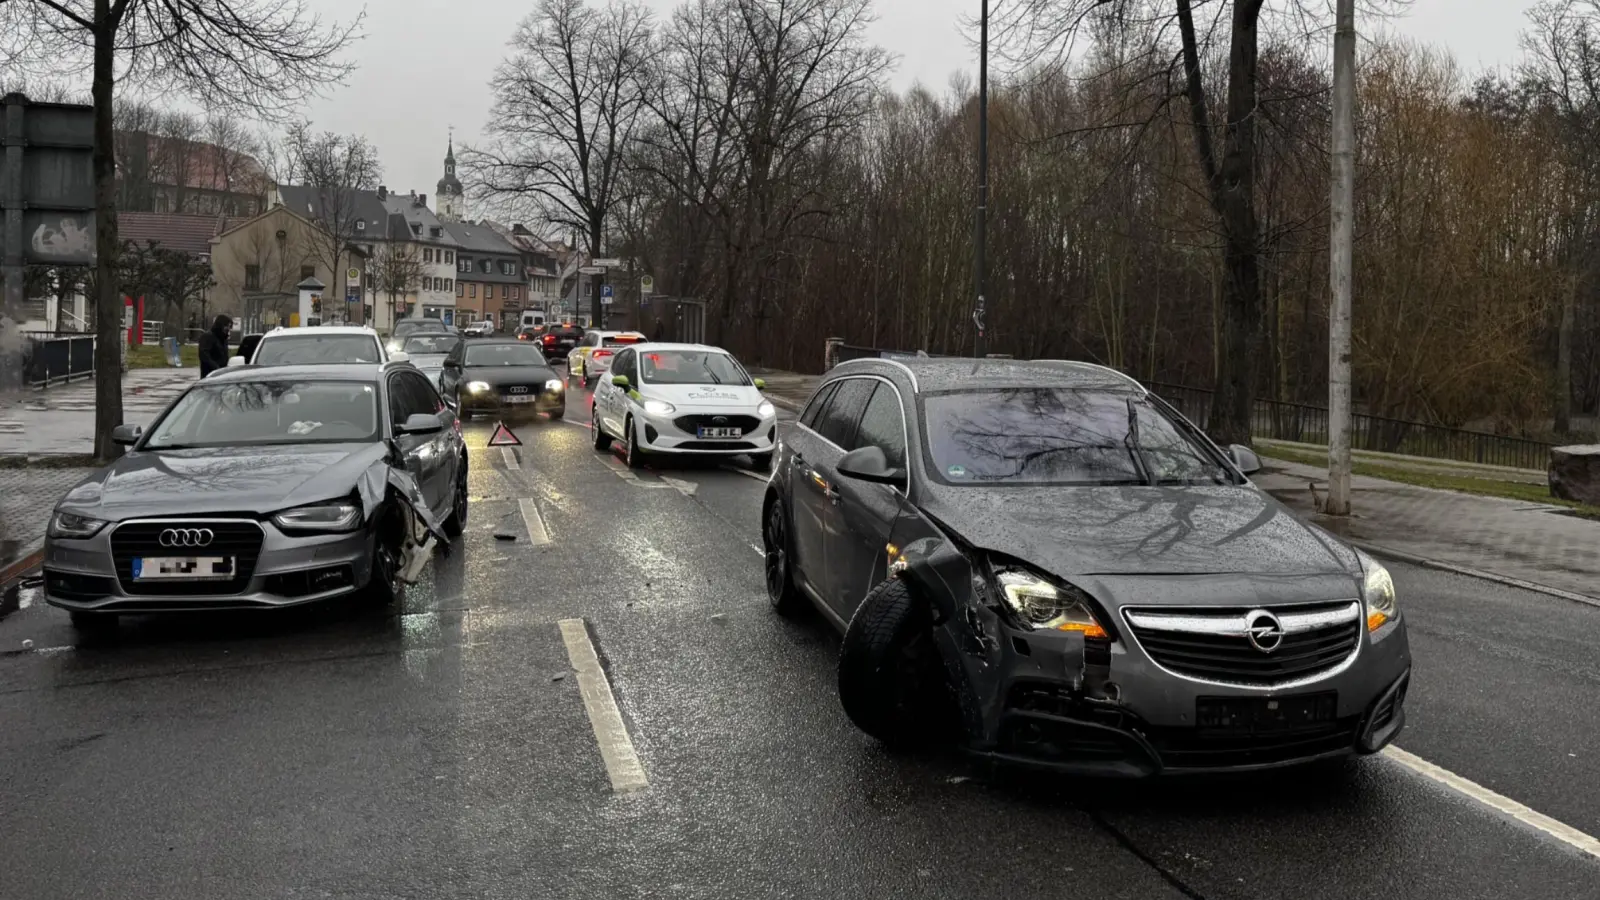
(1047, 563)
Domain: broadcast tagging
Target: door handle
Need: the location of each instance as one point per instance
(831, 493)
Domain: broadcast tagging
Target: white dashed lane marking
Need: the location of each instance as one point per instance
(616, 747)
(510, 457)
(538, 536)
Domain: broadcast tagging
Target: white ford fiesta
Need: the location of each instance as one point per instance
(682, 398)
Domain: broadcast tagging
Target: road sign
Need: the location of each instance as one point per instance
(352, 293)
(606, 263)
(353, 274)
(647, 285)
(605, 291)
(503, 437)
(591, 270)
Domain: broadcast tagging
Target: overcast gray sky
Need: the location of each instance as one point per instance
(425, 64)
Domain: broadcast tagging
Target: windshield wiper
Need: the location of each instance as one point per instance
(1131, 441)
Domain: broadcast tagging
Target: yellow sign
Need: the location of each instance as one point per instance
(353, 275)
(294, 320)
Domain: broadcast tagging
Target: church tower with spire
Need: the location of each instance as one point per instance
(452, 206)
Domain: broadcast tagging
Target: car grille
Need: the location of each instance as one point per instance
(714, 445)
(1199, 748)
(688, 424)
(237, 538)
(1211, 644)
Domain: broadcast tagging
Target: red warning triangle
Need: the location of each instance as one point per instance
(503, 437)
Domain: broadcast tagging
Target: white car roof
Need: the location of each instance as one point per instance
(321, 329)
(665, 345)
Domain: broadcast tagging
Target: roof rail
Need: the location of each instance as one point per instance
(893, 362)
(1089, 365)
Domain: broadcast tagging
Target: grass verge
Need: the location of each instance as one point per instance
(1483, 487)
(146, 356)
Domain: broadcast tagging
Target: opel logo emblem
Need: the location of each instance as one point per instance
(1263, 630)
(186, 537)
(519, 390)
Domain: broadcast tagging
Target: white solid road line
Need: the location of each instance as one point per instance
(537, 535)
(507, 454)
(1562, 832)
(616, 748)
(746, 473)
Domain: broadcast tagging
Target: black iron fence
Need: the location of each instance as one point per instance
(1284, 421)
(58, 357)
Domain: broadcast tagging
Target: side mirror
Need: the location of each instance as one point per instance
(399, 356)
(620, 381)
(422, 423)
(126, 435)
(237, 361)
(1245, 458)
(451, 364)
(869, 464)
(761, 384)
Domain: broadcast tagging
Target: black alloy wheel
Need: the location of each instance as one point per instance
(457, 523)
(635, 456)
(892, 682)
(781, 592)
(602, 441)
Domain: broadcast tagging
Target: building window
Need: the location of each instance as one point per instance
(516, 293)
(416, 228)
(472, 291)
(449, 256)
(447, 284)
(488, 267)
(460, 289)
(252, 278)
(464, 265)
(308, 272)
(427, 255)
(361, 224)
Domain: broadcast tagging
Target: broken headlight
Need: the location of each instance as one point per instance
(1043, 605)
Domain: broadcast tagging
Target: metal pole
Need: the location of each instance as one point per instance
(1341, 238)
(981, 276)
(14, 301)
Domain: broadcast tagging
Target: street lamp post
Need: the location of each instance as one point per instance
(1341, 241)
(980, 237)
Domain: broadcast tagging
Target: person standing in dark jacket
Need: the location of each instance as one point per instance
(214, 346)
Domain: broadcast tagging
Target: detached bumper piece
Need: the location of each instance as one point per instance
(1046, 726)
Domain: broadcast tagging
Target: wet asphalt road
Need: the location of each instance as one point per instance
(441, 749)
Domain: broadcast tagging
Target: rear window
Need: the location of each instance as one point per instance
(1060, 436)
(316, 349)
(418, 325)
(621, 340)
(430, 343)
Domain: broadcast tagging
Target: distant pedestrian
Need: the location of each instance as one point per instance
(660, 330)
(214, 346)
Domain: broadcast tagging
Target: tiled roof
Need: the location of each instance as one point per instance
(172, 231)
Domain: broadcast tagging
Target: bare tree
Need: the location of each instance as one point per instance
(336, 171)
(260, 55)
(567, 103)
(396, 269)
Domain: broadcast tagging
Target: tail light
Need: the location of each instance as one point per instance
(600, 354)
(549, 339)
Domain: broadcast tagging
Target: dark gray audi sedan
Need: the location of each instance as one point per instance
(1047, 563)
(261, 487)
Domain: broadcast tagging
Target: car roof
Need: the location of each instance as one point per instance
(934, 374)
(321, 329)
(322, 372)
(669, 345)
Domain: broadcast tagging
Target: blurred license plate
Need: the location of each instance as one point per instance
(182, 568)
(719, 432)
(1266, 713)
(520, 398)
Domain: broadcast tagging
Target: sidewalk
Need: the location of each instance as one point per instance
(1533, 542)
(60, 421)
(26, 498)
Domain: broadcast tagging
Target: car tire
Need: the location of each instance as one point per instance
(634, 457)
(97, 624)
(558, 414)
(462, 412)
(382, 585)
(892, 682)
(457, 523)
(602, 441)
(785, 598)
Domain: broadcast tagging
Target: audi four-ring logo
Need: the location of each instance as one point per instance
(519, 390)
(186, 537)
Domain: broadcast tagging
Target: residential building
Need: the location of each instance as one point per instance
(452, 202)
(540, 266)
(256, 264)
(490, 283)
(174, 175)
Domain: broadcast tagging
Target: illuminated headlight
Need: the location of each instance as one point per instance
(1045, 606)
(659, 408)
(477, 387)
(766, 410)
(1377, 593)
(322, 517)
(68, 525)
(394, 346)
(555, 384)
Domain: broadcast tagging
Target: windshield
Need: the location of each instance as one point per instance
(504, 355)
(430, 343)
(691, 367)
(412, 325)
(314, 349)
(1060, 436)
(257, 413)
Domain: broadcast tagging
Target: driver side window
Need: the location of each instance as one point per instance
(883, 426)
(627, 364)
(405, 400)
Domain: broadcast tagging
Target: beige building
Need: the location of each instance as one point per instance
(257, 263)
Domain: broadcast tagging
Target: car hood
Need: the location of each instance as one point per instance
(223, 479)
(721, 396)
(510, 374)
(1140, 530)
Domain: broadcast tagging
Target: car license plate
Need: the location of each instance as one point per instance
(1252, 714)
(718, 432)
(182, 568)
(520, 398)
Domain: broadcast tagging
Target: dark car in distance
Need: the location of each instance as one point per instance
(259, 487)
(1047, 562)
(558, 340)
(502, 376)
